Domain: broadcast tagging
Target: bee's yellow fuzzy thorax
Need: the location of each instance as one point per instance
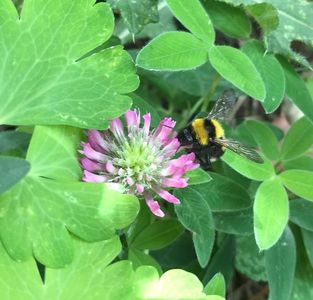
(219, 131)
(200, 131)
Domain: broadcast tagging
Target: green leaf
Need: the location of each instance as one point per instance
(43, 80)
(296, 89)
(300, 163)
(301, 212)
(174, 284)
(299, 182)
(249, 260)
(13, 140)
(237, 222)
(221, 14)
(173, 51)
(12, 170)
(165, 23)
(198, 176)
(137, 14)
(158, 235)
(195, 214)
(271, 72)
(302, 283)
(295, 23)
(222, 261)
(194, 82)
(237, 68)
(197, 22)
(265, 138)
(271, 213)
(172, 256)
(143, 220)
(224, 194)
(249, 168)
(308, 243)
(216, 286)
(298, 139)
(280, 263)
(85, 209)
(92, 277)
(140, 258)
(265, 14)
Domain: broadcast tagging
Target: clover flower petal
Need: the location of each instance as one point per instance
(137, 158)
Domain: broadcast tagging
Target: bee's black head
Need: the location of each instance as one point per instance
(185, 137)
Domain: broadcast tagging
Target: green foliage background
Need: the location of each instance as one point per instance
(71, 65)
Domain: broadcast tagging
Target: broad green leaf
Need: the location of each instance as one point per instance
(88, 210)
(53, 152)
(12, 170)
(242, 133)
(137, 14)
(280, 262)
(307, 236)
(43, 80)
(300, 163)
(173, 51)
(302, 283)
(271, 213)
(224, 194)
(195, 214)
(237, 68)
(197, 22)
(222, 261)
(143, 220)
(298, 139)
(296, 89)
(198, 176)
(265, 138)
(295, 23)
(271, 72)
(194, 82)
(238, 222)
(249, 260)
(265, 14)
(158, 235)
(172, 256)
(165, 23)
(140, 258)
(175, 284)
(13, 140)
(216, 286)
(249, 168)
(92, 276)
(299, 182)
(230, 20)
(301, 212)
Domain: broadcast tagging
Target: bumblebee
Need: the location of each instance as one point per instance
(205, 136)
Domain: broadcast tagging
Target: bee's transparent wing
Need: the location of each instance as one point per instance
(240, 149)
(223, 105)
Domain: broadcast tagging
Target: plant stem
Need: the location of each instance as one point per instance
(207, 98)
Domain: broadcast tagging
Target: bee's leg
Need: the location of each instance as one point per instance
(204, 160)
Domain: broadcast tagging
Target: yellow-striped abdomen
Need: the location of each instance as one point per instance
(200, 131)
(219, 131)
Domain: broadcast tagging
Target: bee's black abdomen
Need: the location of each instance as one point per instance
(209, 126)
